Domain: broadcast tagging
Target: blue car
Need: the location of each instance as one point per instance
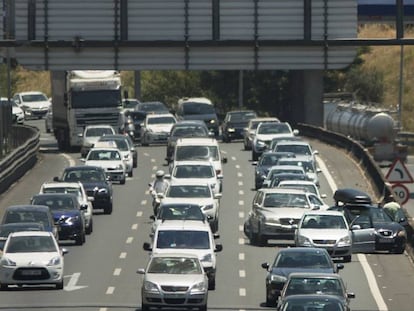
(67, 214)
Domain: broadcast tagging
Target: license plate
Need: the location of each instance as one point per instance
(383, 240)
(31, 272)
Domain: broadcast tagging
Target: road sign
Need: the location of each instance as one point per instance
(401, 193)
(398, 173)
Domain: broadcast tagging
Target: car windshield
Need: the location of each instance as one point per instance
(296, 149)
(5, 230)
(27, 216)
(241, 116)
(151, 107)
(193, 171)
(312, 259)
(72, 190)
(306, 187)
(273, 128)
(186, 239)
(189, 191)
(198, 108)
(197, 153)
(55, 203)
(323, 222)
(121, 144)
(104, 155)
(98, 132)
(188, 131)
(174, 265)
(30, 244)
(161, 120)
(307, 165)
(314, 285)
(277, 171)
(184, 211)
(83, 175)
(312, 303)
(285, 200)
(34, 98)
(268, 160)
(130, 103)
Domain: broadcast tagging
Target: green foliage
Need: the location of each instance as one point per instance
(368, 84)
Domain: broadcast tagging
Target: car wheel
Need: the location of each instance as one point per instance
(214, 226)
(47, 130)
(270, 300)
(4, 286)
(203, 308)
(122, 182)
(59, 285)
(131, 173)
(135, 163)
(89, 229)
(255, 155)
(108, 209)
(399, 250)
(261, 240)
(80, 239)
(348, 258)
(212, 283)
(144, 307)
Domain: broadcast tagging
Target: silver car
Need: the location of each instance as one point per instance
(174, 280)
(325, 229)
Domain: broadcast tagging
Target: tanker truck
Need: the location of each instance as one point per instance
(81, 98)
(373, 127)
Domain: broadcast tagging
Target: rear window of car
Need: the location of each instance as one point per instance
(187, 239)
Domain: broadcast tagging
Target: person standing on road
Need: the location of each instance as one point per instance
(392, 208)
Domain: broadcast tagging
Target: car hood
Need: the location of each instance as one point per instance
(283, 212)
(62, 215)
(201, 253)
(199, 201)
(241, 124)
(40, 104)
(286, 271)
(157, 128)
(105, 164)
(174, 279)
(203, 117)
(324, 234)
(32, 259)
(269, 136)
(92, 185)
(388, 226)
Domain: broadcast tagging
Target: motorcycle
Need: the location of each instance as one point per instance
(156, 199)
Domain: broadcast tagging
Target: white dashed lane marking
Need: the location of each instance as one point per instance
(242, 292)
(134, 227)
(117, 271)
(241, 256)
(122, 255)
(241, 214)
(110, 290)
(241, 202)
(129, 240)
(242, 273)
(139, 214)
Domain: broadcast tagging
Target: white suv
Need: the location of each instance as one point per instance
(187, 236)
(77, 189)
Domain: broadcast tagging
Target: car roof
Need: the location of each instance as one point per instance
(190, 162)
(293, 142)
(201, 100)
(261, 119)
(62, 184)
(45, 195)
(189, 182)
(282, 190)
(315, 275)
(84, 168)
(31, 233)
(159, 115)
(197, 141)
(98, 126)
(194, 225)
(189, 122)
(322, 212)
(172, 254)
(303, 249)
(30, 93)
(310, 297)
(351, 196)
(28, 207)
(286, 167)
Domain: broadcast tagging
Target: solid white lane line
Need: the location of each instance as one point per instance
(69, 158)
(372, 282)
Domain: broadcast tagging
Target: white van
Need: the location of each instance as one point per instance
(200, 149)
(188, 236)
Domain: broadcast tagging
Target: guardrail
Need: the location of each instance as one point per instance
(24, 143)
(406, 138)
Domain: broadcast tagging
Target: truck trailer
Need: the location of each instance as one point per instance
(81, 98)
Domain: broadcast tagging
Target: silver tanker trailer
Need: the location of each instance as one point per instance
(372, 127)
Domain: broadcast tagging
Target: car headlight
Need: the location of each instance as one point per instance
(207, 258)
(272, 221)
(231, 130)
(119, 167)
(54, 261)
(303, 240)
(72, 219)
(260, 143)
(101, 190)
(199, 287)
(212, 121)
(151, 287)
(278, 278)
(208, 207)
(7, 262)
(345, 241)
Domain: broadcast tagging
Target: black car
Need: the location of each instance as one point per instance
(152, 107)
(266, 161)
(370, 222)
(234, 123)
(96, 183)
(185, 128)
(295, 259)
(67, 213)
(305, 302)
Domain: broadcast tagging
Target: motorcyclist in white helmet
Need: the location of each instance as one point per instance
(159, 186)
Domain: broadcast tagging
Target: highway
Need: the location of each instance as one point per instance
(101, 274)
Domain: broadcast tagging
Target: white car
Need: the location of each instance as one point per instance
(306, 185)
(194, 237)
(110, 159)
(18, 114)
(156, 128)
(281, 169)
(31, 258)
(308, 165)
(325, 229)
(77, 189)
(91, 134)
(194, 170)
(34, 104)
(250, 131)
(299, 148)
(196, 192)
(123, 147)
(275, 212)
(265, 132)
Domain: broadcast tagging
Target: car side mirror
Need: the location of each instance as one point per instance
(84, 206)
(64, 251)
(152, 217)
(83, 160)
(224, 160)
(254, 163)
(340, 266)
(147, 246)
(356, 227)
(265, 265)
(141, 271)
(218, 195)
(56, 178)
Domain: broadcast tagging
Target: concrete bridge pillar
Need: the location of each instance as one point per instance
(306, 91)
